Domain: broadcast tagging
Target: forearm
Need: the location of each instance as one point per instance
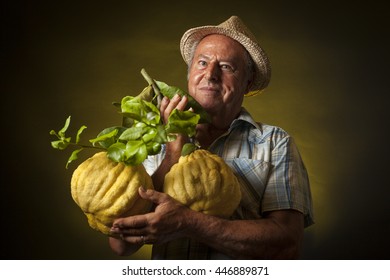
(173, 149)
(159, 175)
(267, 238)
(172, 155)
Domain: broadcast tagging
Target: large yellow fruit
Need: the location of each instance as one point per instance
(205, 183)
(106, 190)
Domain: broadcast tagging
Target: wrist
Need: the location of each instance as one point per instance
(190, 222)
(174, 148)
(198, 225)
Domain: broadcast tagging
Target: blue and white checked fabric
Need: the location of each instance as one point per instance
(268, 165)
(270, 170)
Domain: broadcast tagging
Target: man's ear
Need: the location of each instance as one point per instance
(250, 82)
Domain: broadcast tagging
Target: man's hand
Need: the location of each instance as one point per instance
(278, 235)
(162, 225)
(167, 105)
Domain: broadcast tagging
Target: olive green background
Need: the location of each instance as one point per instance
(329, 90)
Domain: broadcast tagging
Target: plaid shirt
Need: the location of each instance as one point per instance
(271, 172)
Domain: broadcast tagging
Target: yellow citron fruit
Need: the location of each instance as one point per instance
(106, 190)
(205, 183)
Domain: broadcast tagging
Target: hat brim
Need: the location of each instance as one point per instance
(262, 66)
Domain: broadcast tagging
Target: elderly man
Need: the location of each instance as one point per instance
(225, 64)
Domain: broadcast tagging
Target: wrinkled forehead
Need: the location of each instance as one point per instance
(221, 46)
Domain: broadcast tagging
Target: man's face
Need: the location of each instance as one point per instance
(218, 76)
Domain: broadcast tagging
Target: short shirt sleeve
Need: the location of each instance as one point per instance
(288, 183)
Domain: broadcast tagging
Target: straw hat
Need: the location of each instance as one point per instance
(235, 29)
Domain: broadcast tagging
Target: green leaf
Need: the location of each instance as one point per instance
(132, 107)
(153, 148)
(132, 133)
(132, 148)
(126, 121)
(108, 136)
(152, 115)
(81, 129)
(140, 110)
(61, 144)
(188, 148)
(116, 104)
(183, 122)
(135, 153)
(171, 91)
(73, 157)
(147, 94)
(63, 141)
(149, 134)
(116, 152)
(61, 133)
(161, 135)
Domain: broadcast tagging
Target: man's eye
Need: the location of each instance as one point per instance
(226, 67)
(202, 63)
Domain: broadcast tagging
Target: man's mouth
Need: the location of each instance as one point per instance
(209, 89)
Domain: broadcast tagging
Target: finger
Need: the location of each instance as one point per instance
(133, 239)
(128, 231)
(167, 105)
(137, 221)
(164, 104)
(153, 195)
(117, 231)
(132, 232)
(182, 103)
(173, 103)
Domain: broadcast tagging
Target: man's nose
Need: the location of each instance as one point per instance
(212, 72)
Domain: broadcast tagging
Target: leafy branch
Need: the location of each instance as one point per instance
(142, 132)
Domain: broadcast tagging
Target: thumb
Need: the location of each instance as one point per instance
(152, 195)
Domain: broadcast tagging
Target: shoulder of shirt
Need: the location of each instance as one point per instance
(262, 130)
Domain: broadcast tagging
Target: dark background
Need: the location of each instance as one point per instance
(329, 90)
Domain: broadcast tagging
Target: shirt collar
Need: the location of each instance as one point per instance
(245, 118)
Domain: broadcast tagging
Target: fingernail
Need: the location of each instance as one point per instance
(142, 189)
(114, 226)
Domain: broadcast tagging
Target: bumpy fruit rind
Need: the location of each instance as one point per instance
(106, 190)
(205, 183)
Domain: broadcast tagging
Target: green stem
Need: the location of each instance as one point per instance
(86, 146)
(153, 84)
